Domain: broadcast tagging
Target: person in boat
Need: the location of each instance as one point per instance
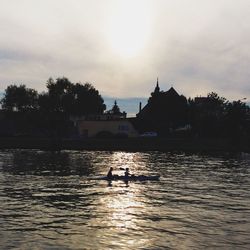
(110, 175)
(126, 173)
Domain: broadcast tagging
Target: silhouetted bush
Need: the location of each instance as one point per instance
(104, 134)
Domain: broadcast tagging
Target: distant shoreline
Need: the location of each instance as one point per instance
(126, 144)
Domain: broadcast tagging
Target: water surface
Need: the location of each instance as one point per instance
(49, 201)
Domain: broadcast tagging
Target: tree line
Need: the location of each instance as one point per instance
(47, 114)
(215, 116)
(62, 96)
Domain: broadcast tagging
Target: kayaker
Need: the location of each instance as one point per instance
(126, 173)
(110, 175)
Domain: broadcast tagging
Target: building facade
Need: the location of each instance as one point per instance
(101, 128)
(113, 123)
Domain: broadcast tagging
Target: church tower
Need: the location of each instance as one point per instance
(157, 88)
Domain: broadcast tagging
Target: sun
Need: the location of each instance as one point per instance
(129, 27)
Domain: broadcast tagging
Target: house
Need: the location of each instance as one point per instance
(110, 124)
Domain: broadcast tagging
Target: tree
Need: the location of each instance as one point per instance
(71, 99)
(216, 105)
(236, 119)
(86, 100)
(58, 96)
(51, 109)
(19, 98)
(207, 114)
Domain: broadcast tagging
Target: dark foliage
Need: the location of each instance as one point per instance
(72, 99)
(214, 116)
(48, 113)
(19, 98)
(237, 121)
(206, 114)
(104, 134)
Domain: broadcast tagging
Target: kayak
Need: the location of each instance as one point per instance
(129, 178)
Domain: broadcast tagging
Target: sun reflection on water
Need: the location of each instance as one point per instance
(123, 205)
(122, 209)
(133, 161)
(122, 159)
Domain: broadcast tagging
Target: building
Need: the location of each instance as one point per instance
(164, 105)
(164, 112)
(102, 128)
(201, 100)
(157, 101)
(113, 123)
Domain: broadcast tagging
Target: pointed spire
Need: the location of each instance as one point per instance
(157, 88)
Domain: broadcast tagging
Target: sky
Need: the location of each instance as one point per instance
(122, 46)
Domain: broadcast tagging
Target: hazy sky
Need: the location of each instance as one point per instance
(122, 46)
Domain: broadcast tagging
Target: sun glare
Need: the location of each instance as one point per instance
(129, 27)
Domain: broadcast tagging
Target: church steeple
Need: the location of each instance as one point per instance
(157, 88)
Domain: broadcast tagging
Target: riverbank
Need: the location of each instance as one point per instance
(125, 144)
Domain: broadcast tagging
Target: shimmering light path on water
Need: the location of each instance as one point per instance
(48, 201)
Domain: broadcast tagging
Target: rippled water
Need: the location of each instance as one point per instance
(48, 201)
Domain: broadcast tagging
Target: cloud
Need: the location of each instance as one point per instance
(196, 46)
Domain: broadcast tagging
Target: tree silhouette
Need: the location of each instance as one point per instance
(58, 94)
(236, 120)
(71, 99)
(86, 100)
(206, 114)
(19, 98)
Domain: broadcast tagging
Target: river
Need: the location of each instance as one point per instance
(48, 200)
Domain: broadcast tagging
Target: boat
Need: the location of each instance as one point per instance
(129, 178)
